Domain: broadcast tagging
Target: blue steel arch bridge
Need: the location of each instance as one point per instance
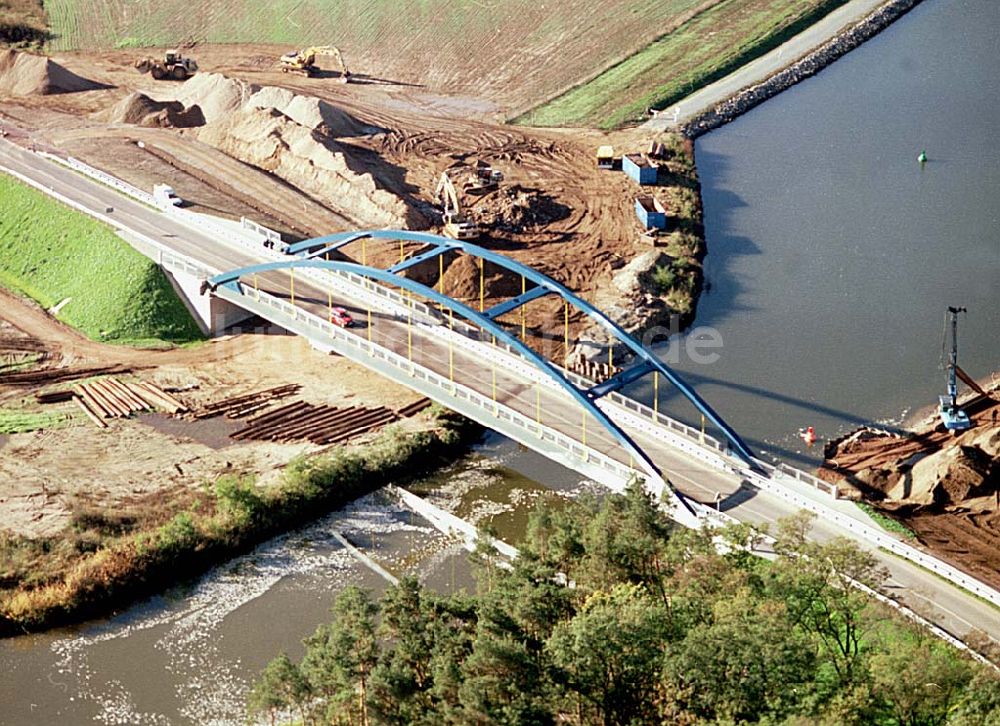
(452, 343)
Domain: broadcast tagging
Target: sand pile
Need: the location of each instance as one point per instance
(220, 96)
(216, 95)
(270, 140)
(960, 473)
(951, 476)
(308, 111)
(141, 110)
(24, 74)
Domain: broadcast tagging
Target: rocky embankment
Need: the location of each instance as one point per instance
(810, 65)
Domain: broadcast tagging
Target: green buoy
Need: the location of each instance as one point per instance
(923, 157)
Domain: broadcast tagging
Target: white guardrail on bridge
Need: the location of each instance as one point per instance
(688, 439)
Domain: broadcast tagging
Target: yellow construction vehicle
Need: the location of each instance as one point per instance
(455, 224)
(173, 66)
(483, 178)
(304, 61)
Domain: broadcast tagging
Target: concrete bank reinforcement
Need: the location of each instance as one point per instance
(810, 65)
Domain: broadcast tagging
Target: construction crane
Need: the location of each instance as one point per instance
(304, 61)
(953, 418)
(172, 66)
(455, 225)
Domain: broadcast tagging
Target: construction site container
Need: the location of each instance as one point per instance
(651, 212)
(640, 168)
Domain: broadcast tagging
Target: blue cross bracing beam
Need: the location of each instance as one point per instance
(542, 280)
(629, 375)
(417, 259)
(308, 248)
(231, 280)
(515, 302)
(320, 251)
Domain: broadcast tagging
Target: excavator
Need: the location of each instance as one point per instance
(304, 61)
(172, 66)
(455, 224)
(482, 179)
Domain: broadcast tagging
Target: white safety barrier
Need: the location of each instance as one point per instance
(103, 177)
(264, 232)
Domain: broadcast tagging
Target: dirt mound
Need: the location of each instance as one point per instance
(217, 95)
(269, 140)
(517, 209)
(461, 281)
(308, 111)
(956, 472)
(141, 110)
(24, 74)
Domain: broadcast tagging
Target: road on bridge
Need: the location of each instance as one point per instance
(949, 606)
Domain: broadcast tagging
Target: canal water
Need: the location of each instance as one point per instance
(833, 255)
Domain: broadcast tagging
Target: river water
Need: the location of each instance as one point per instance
(833, 255)
(191, 655)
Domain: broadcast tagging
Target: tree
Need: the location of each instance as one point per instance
(819, 584)
(625, 542)
(920, 678)
(610, 654)
(425, 640)
(340, 656)
(281, 687)
(506, 677)
(980, 702)
(749, 661)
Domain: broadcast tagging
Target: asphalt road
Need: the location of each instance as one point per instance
(936, 599)
(764, 67)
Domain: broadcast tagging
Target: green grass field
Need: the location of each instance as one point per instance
(13, 421)
(706, 48)
(575, 62)
(50, 253)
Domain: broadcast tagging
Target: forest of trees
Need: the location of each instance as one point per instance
(615, 615)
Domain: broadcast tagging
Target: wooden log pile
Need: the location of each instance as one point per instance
(414, 408)
(56, 375)
(111, 398)
(247, 404)
(301, 421)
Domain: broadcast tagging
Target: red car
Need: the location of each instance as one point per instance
(339, 316)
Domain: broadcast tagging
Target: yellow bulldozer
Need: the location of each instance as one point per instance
(173, 66)
(304, 61)
(455, 224)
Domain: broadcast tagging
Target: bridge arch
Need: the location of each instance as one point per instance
(647, 361)
(231, 279)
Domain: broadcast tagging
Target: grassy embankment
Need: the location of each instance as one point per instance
(679, 281)
(115, 295)
(112, 555)
(23, 23)
(703, 50)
